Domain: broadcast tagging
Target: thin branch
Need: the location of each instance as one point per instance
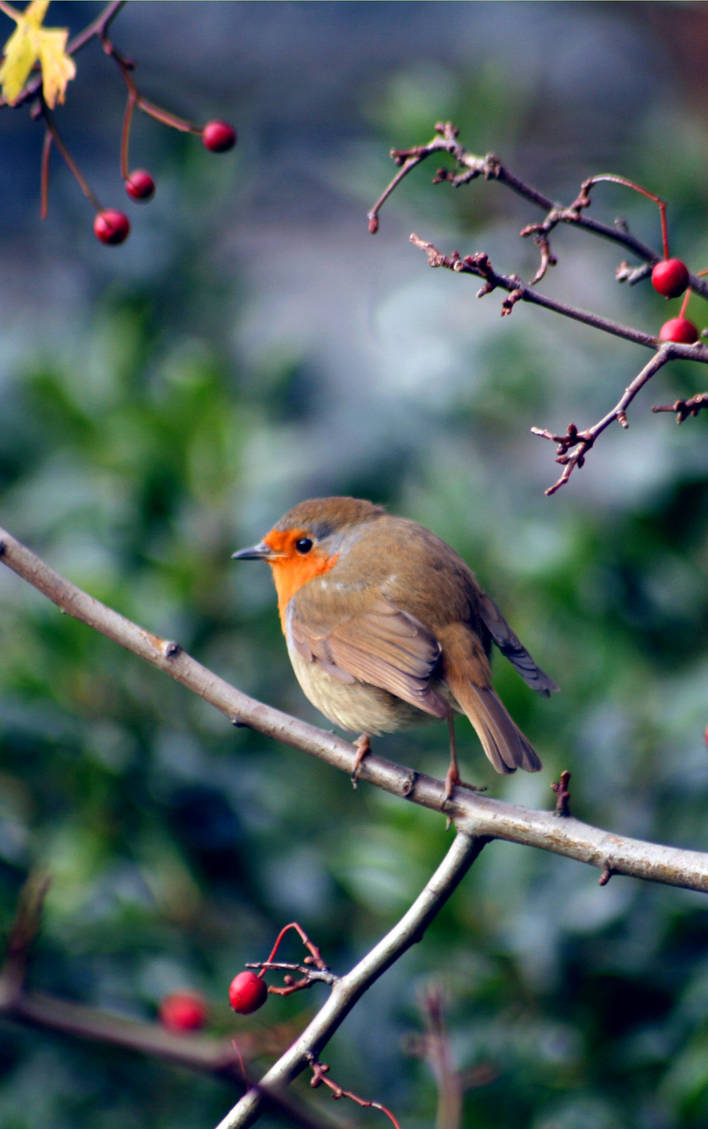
(685, 408)
(572, 447)
(480, 266)
(575, 444)
(349, 988)
(490, 167)
(202, 1053)
(475, 814)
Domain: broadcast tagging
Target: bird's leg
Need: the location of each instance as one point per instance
(452, 776)
(362, 746)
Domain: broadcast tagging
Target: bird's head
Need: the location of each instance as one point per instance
(309, 540)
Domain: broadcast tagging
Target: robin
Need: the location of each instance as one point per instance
(386, 625)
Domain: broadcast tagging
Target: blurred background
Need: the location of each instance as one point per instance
(164, 402)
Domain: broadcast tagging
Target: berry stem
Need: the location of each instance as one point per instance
(166, 117)
(125, 135)
(53, 133)
(661, 204)
(138, 100)
(44, 175)
(315, 952)
(687, 295)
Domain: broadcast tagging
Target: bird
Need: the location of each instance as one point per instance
(386, 626)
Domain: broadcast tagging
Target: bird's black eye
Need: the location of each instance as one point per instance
(303, 545)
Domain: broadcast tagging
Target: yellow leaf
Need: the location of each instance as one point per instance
(35, 12)
(58, 68)
(29, 43)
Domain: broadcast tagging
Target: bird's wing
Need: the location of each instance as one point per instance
(510, 645)
(376, 643)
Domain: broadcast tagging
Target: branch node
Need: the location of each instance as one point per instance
(510, 301)
(409, 784)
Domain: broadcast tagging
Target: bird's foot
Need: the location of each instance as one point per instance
(362, 746)
(453, 780)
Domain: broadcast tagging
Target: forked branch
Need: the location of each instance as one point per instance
(478, 816)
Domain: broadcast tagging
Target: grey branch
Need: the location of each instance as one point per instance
(350, 988)
(476, 815)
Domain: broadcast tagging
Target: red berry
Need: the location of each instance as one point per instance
(669, 277)
(247, 992)
(183, 1011)
(678, 329)
(140, 185)
(218, 136)
(111, 226)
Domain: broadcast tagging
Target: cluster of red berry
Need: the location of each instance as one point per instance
(113, 226)
(670, 278)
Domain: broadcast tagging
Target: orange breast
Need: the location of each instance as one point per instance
(292, 569)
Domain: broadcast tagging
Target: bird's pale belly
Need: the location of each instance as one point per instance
(353, 706)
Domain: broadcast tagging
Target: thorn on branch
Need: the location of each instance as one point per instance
(562, 794)
(607, 873)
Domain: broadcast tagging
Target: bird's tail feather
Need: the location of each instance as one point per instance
(502, 740)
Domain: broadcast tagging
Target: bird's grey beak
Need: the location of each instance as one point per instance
(259, 552)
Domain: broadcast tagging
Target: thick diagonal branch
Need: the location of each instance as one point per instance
(351, 987)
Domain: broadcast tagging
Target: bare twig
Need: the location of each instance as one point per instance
(320, 1077)
(480, 266)
(22, 935)
(490, 167)
(198, 1052)
(477, 815)
(685, 408)
(439, 1055)
(575, 444)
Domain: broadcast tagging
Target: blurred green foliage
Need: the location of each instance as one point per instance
(239, 354)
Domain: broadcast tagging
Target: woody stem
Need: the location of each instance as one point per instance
(349, 988)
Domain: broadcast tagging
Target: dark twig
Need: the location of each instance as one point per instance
(438, 1054)
(22, 935)
(490, 167)
(480, 266)
(575, 444)
(685, 408)
(320, 1071)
